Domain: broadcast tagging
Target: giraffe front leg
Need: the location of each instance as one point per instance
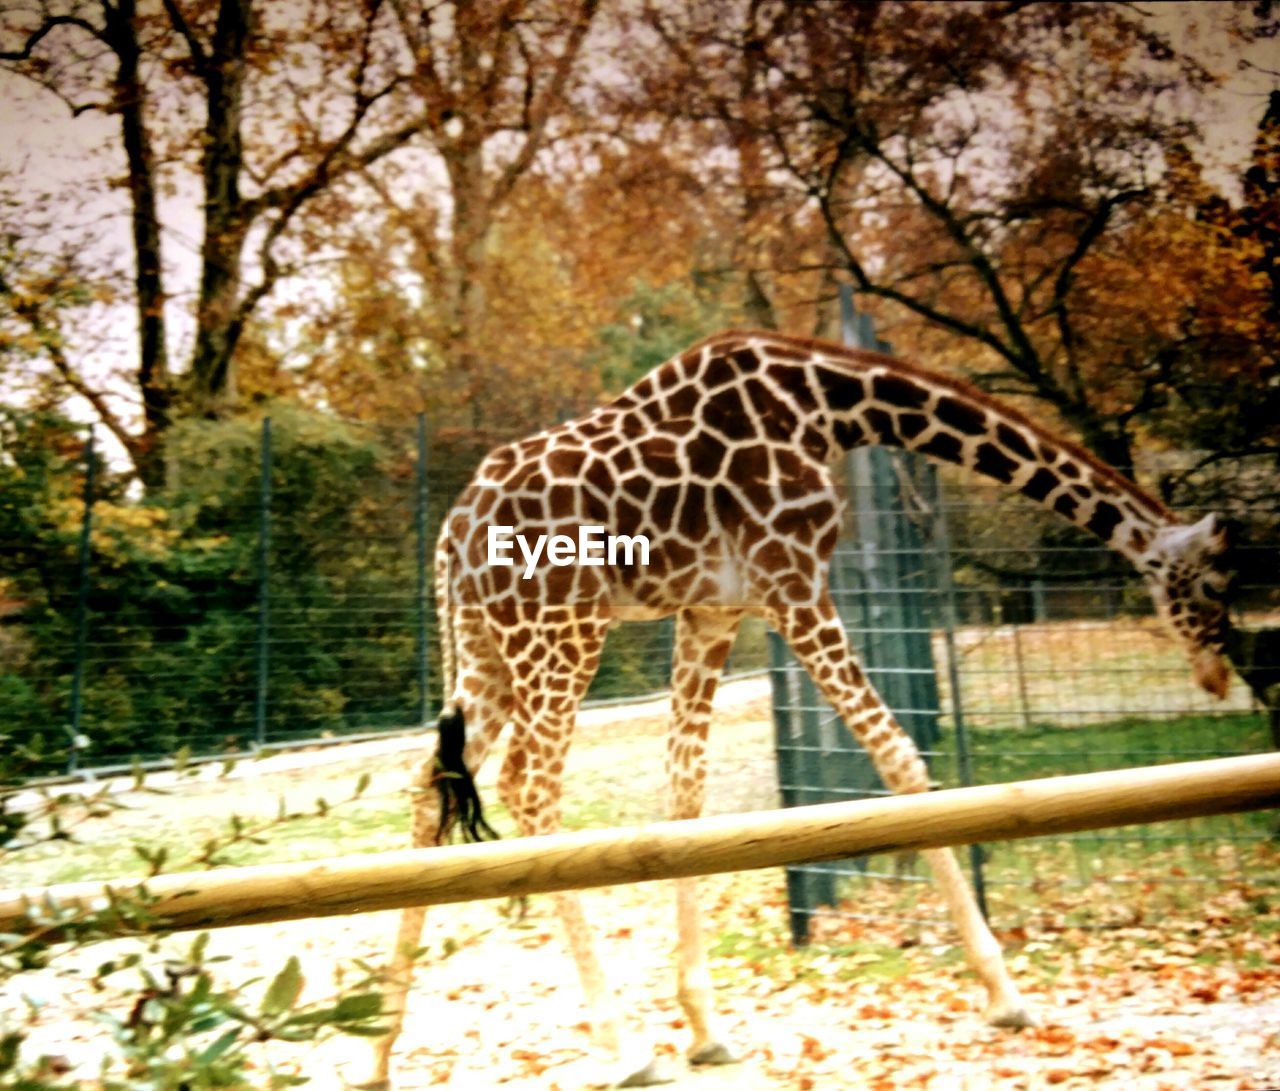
(531, 794)
(628, 1060)
(693, 981)
(818, 640)
(1005, 1006)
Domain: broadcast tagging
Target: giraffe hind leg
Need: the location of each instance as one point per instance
(484, 688)
(398, 975)
(530, 784)
(703, 640)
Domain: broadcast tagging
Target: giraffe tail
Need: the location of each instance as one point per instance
(444, 613)
(460, 806)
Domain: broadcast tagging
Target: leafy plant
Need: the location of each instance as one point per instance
(175, 1022)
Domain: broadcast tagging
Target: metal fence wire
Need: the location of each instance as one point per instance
(1009, 647)
(277, 591)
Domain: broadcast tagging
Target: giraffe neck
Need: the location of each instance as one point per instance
(829, 399)
(757, 387)
(865, 398)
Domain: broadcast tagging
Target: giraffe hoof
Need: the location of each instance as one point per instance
(713, 1053)
(655, 1072)
(1012, 1018)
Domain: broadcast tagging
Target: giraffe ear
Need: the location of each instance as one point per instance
(1221, 537)
(1207, 526)
(1230, 531)
(1213, 532)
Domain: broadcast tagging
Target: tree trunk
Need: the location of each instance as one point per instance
(218, 320)
(153, 363)
(470, 231)
(746, 133)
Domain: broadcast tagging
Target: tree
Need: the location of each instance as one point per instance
(1223, 374)
(86, 82)
(577, 260)
(391, 347)
(297, 102)
(458, 268)
(700, 79)
(970, 190)
(46, 292)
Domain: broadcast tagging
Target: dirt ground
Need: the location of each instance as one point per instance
(497, 1003)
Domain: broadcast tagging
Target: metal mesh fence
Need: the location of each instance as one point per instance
(1010, 647)
(277, 591)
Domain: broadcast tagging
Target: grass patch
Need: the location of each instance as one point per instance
(1115, 874)
(747, 946)
(869, 961)
(769, 953)
(109, 853)
(1045, 750)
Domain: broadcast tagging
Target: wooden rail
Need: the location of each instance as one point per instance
(667, 850)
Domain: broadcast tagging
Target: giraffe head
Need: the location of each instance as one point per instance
(1189, 570)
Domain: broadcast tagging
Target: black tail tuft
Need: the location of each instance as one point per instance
(459, 800)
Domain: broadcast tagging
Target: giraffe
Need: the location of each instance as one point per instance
(722, 458)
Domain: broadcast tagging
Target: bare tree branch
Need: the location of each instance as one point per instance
(867, 285)
(199, 56)
(541, 114)
(52, 342)
(1023, 352)
(1057, 305)
(46, 28)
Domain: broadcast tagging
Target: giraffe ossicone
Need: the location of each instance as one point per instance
(721, 458)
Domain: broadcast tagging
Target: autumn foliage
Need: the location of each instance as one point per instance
(493, 212)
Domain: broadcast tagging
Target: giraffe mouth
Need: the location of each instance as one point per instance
(1211, 672)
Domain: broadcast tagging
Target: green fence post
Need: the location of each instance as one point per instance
(942, 552)
(264, 585)
(77, 739)
(420, 533)
(800, 895)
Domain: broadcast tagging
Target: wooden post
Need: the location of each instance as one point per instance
(667, 850)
